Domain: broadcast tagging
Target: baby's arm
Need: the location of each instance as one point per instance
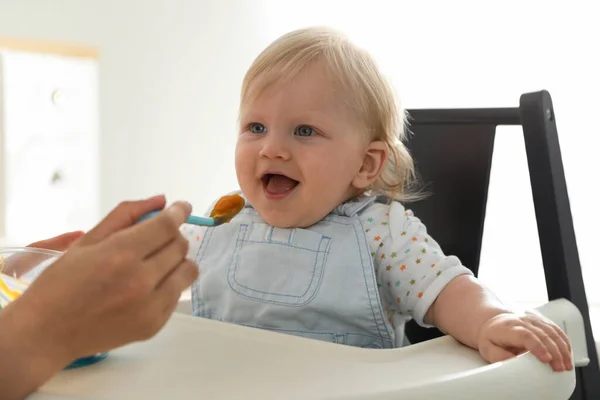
(416, 279)
(470, 313)
(462, 308)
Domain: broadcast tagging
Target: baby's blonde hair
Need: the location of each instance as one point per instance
(369, 95)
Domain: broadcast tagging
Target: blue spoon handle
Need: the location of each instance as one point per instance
(192, 219)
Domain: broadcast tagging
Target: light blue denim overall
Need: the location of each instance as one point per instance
(317, 282)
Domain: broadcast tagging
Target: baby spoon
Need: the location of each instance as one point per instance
(224, 210)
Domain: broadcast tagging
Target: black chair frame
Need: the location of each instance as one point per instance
(453, 151)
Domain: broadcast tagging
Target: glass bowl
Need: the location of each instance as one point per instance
(19, 267)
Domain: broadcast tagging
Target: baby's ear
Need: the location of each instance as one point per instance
(374, 161)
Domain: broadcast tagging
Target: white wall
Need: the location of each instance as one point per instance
(170, 75)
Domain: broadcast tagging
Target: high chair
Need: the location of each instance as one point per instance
(453, 152)
(196, 358)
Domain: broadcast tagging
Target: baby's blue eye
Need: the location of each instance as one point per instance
(257, 128)
(304, 130)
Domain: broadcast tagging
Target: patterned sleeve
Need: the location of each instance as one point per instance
(194, 235)
(410, 266)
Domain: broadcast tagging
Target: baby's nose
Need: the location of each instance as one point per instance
(275, 147)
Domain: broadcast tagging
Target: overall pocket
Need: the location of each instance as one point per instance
(280, 266)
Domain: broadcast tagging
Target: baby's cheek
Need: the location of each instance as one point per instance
(245, 157)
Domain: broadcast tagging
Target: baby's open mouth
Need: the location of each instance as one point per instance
(277, 184)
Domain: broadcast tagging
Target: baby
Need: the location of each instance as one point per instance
(324, 249)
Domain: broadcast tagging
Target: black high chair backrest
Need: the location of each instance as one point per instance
(453, 150)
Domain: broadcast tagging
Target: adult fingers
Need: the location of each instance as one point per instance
(165, 298)
(160, 264)
(59, 243)
(151, 235)
(124, 215)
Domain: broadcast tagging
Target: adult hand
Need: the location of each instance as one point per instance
(20, 263)
(117, 284)
(58, 243)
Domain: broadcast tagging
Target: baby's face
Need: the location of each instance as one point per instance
(298, 151)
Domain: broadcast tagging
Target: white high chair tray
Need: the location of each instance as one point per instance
(194, 358)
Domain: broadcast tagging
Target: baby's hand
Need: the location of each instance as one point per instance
(507, 335)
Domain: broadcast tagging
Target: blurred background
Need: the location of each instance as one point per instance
(107, 100)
